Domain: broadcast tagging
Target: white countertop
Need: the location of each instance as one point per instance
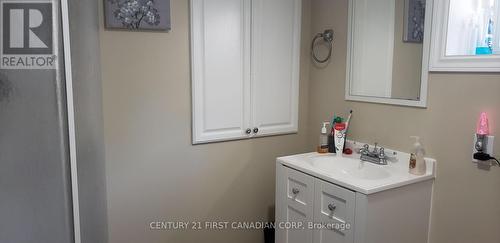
(350, 172)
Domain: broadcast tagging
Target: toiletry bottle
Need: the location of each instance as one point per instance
(417, 161)
(340, 137)
(485, 37)
(331, 135)
(331, 140)
(323, 139)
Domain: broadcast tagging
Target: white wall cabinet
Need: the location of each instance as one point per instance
(245, 68)
(328, 213)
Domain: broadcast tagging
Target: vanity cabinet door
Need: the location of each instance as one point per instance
(275, 65)
(298, 206)
(220, 69)
(334, 209)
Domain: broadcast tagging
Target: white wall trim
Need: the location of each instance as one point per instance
(71, 118)
(440, 62)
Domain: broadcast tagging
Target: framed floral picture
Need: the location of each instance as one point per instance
(153, 15)
(414, 20)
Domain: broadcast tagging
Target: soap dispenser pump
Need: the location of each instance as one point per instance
(323, 139)
(417, 161)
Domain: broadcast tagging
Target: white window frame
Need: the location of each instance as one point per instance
(439, 62)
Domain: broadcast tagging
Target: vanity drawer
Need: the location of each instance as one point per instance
(299, 189)
(334, 209)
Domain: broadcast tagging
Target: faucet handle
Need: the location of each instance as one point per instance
(382, 156)
(364, 149)
(381, 153)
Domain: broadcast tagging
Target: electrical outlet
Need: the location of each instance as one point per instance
(488, 146)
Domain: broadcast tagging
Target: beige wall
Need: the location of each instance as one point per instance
(153, 171)
(466, 206)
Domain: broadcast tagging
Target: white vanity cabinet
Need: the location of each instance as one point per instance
(244, 68)
(310, 209)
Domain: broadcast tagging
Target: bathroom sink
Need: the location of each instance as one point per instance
(352, 173)
(347, 166)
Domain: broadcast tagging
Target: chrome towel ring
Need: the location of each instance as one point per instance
(327, 36)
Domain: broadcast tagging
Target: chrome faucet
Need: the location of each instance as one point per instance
(377, 156)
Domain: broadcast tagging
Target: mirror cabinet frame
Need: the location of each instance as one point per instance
(422, 102)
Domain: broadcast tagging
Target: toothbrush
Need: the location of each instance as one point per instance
(348, 120)
(347, 126)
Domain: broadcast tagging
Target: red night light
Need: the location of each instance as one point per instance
(482, 126)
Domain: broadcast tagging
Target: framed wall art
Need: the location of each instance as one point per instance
(414, 21)
(152, 15)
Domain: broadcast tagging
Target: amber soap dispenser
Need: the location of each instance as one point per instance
(323, 139)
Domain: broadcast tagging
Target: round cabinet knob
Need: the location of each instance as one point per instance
(295, 191)
(255, 130)
(332, 207)
(248, 131)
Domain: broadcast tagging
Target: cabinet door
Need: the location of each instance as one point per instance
(220, 49)
(298, 207)
(275, 65)
(334, 210)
